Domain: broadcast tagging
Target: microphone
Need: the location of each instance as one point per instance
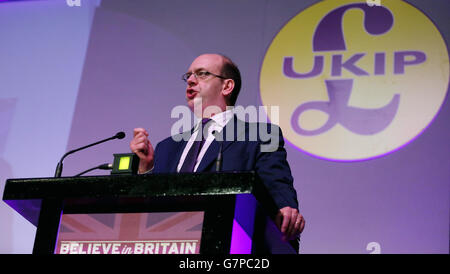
(103, 166)
(59, 167)
(219, 155)
(106, 166)
(119, 135)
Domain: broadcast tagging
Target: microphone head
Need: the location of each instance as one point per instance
(120, 135)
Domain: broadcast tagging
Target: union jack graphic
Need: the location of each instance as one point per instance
(131, 228)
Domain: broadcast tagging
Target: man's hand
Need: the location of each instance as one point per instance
(143, 149)
(290, 222)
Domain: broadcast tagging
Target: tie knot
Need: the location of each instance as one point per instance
(205, 121)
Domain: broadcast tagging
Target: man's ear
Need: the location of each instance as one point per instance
(228, 86)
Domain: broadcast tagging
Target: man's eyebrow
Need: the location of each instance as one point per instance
(197, 70)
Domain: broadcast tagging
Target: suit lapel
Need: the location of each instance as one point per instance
(179, 147)
(237, 127)
(210, 156)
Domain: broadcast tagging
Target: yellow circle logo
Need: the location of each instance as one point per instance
(355, 81)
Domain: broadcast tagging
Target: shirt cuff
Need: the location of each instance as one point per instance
(146, 172)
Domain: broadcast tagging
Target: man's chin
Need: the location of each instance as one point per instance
(190, 104)
(196, 105)
(197, 110)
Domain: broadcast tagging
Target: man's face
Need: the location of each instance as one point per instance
(207, 91)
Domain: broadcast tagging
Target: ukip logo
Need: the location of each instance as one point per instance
(329, 37)
(363, 84)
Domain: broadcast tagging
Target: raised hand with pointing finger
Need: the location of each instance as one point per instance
(140, 144)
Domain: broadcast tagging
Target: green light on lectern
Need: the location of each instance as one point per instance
(125, 163)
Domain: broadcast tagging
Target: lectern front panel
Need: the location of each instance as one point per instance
(130, 233)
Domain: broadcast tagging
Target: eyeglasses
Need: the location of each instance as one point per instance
(201, 75)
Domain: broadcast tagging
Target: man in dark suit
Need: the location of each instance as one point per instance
(213, 84)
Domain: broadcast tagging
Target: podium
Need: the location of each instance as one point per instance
(182, 213)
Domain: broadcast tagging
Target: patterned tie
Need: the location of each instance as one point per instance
(191, 157)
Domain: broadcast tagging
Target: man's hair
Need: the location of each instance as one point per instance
(231, 71)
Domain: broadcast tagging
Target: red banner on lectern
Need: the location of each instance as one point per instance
(130, 233)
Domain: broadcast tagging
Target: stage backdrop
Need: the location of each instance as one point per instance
(361, 88)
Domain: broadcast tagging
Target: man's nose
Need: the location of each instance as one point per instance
(192, 80)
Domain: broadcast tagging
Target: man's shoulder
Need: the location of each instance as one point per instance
(268, 124)
(257, 128)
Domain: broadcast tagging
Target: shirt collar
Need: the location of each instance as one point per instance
(220, 119)
(224, 117)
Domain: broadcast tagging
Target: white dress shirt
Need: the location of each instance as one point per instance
(217, 124)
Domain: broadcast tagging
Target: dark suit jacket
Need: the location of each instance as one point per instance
(243, 149)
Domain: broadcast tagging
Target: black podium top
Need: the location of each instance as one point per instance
(26, 195)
